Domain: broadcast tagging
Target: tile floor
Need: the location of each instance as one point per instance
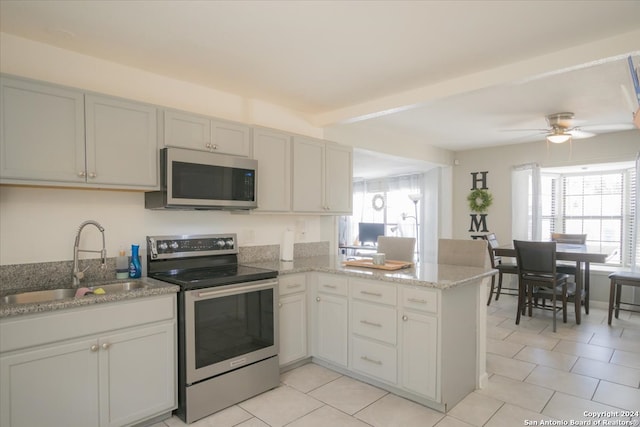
(535, 375)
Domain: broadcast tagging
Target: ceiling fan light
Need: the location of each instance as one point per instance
(559, 138)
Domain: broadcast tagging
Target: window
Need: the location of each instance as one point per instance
(597, 201)
(385, 201)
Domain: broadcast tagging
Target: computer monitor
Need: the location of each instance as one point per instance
(369, 232)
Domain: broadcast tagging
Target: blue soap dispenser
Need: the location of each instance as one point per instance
(135, 268)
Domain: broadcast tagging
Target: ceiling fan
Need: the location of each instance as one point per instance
(561, 128)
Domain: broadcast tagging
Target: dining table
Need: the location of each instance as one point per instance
(581, 255)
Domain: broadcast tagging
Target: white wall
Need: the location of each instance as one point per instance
(499, 161)
(40, 224)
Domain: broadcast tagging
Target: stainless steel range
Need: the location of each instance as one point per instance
(227, 321)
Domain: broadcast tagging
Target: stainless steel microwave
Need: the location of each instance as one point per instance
(192, 179)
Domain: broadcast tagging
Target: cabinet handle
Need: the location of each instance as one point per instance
(297, 285)
(318, 299)
(92, 175)
(417, 300)
(405, 318)
(366, 359)
(215, 146)
(82, 173)
(279, 305)
(94, 347)
(366, 322)
(105, 346)
(207, 145)
(330, 286)
(373, 294)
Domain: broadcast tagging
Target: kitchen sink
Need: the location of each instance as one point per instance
(64, 293)
(119, 287)
(39, 296)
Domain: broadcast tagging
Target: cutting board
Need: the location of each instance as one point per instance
(389, 264)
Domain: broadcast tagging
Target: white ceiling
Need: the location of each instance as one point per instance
(455, 74)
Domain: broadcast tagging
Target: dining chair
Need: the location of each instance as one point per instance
(538, 278)
(498, 264)
(570, 267)
(618, 280)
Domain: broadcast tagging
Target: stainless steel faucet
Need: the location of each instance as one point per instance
(77, 274)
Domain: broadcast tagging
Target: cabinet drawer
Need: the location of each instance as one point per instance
(39, 329)
(374, 321)
(291, 284)
(420, 299)
(371, 291)
(332, 284)
(374, 359)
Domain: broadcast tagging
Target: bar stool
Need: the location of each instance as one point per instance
(618, 280)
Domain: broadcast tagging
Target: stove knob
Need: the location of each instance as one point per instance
(229, 243)
(163, 246)
(220, 244)
(174, 245)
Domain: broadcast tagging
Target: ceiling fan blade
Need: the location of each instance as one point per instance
(580, 134)
(608, 127)
(525, 130)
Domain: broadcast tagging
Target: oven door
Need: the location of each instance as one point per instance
(229, 327)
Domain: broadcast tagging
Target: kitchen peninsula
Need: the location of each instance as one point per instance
(418, 332)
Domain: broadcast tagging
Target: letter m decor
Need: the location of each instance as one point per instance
(478, 223)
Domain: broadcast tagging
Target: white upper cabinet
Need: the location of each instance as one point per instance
(57, 136)
(272, 150)
(121, 142)
(322, 176)
(202, 133)
(41, 132)
(338, 178)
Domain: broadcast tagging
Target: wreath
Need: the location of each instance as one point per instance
(479, 200)
(377, 202)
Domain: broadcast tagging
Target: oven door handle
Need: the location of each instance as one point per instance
(239, 289)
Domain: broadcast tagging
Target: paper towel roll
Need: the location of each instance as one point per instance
(286, 248)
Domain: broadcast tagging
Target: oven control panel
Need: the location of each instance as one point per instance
(163, 247)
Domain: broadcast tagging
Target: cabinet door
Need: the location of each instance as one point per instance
(339, 176)
(137, 374)
(272, 150)
(420, 354)
(121, 142)
(41, 132)
(52, 386)
(186, 131)
(331, 328)
(230, 138)
(308, 175)
(293, 328)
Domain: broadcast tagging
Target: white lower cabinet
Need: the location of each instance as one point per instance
(419, 354)
(331, 319)
(136, 374)
(293, 318)
(55, 386)
(110, 378)
(374, 329)
(413, 340)
(419, 337)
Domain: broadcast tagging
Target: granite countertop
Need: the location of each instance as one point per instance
(438, 276)
(153, 288)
